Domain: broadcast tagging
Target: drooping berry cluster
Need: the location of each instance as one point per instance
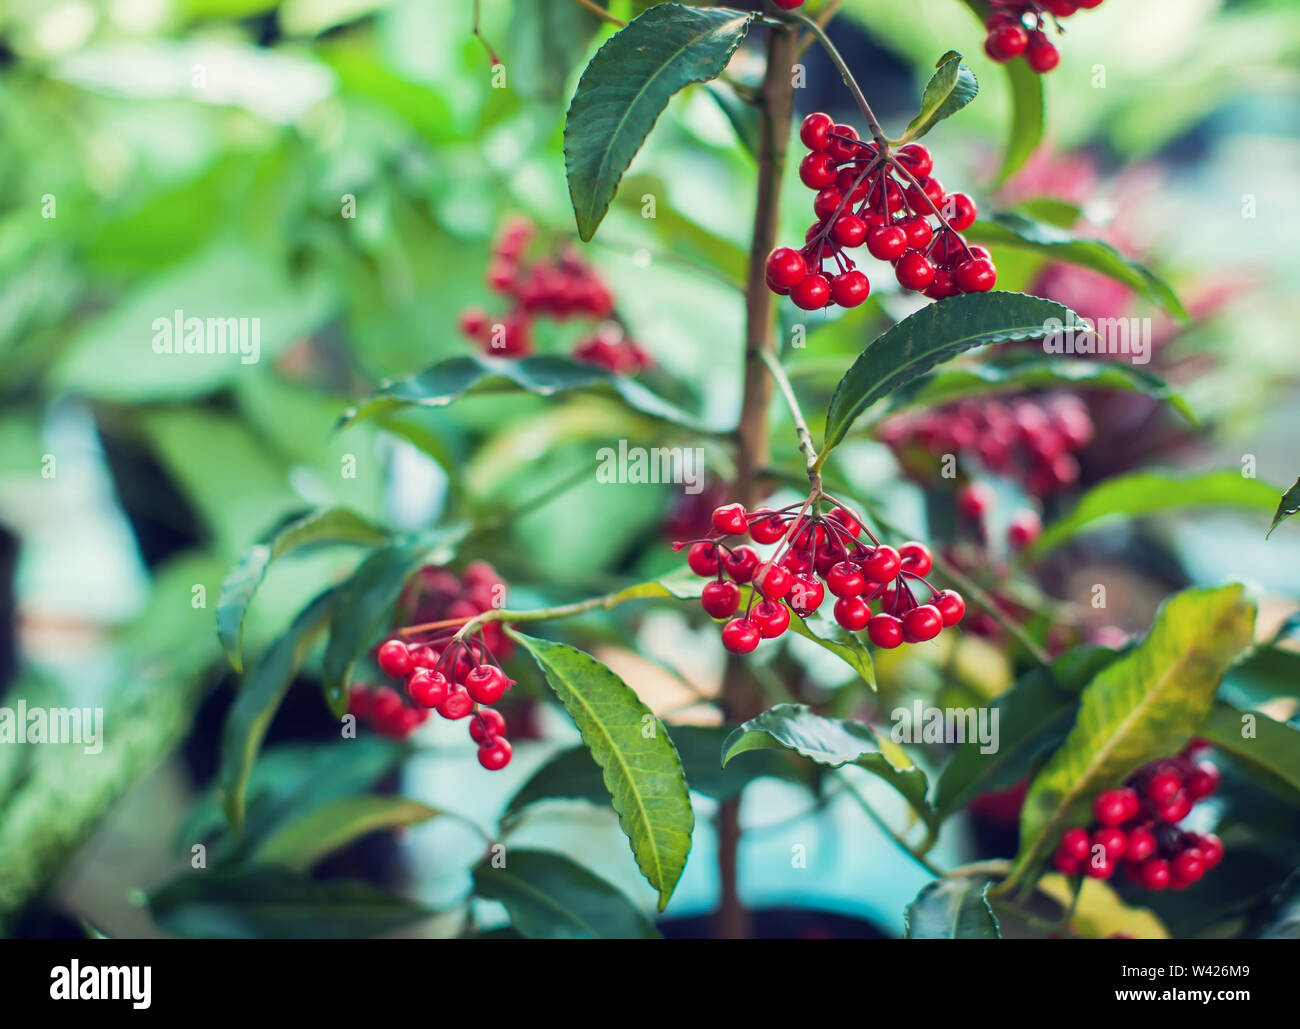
(1033, 439)
(1016, 29)
(555, 287)
(814, 554)
(1137, 825)
(437, 594)
(885, 200)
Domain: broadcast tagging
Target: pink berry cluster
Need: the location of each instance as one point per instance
(815, 553)
(1137, 825)
(555, 287)
(1033, 439)
(884, 200)
(1016, 29)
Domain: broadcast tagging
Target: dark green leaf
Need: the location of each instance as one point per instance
(627, 85)
(1265, 674)
(934, 334)
(1033, 717)
(1028, 118)
(542, 375)
(950, 88)
(259, 699)
(268, 903)
(1280, 919)
(1148, 492)
(1264, 746)
(336, 525)
(550, 897)
(317, 833)
(638, 761)
(832, 742)
(1146, 704)
(951, 384)
(1019, 232)
(952, 909)
(743, 116)
(1289, 505)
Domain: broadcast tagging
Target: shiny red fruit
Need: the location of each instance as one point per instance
(846, 580)
(741, 563)
(915, 557)
(394, 659)
(487, 723)
(815, 130)
(914, 270)
(1075, 843)
(766, 527)
(850, 288)
(806, 595)
(951, 607)
(495, 755)
(772, 618)
(851, 613)
(884, 564)
(812, 293)
(730, 520)
(720, 598)
(740, 636)
(773, 581)
(885, 631)
(1109, 807)
(786, 268)
(922, 623)
(703, 558)
(426, 687)
(457, 704)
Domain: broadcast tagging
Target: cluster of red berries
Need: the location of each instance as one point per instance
(815, 553)
(1137, 825)
(1015, 29)
(866, 195)
(1033, 439)
(437, 594)
(559, 288)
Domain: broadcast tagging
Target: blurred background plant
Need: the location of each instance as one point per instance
(200, 155)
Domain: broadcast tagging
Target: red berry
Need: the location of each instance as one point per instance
(773, 581)
(394, 659)
(812, 293)
(766, 527)
(1112, 841)
(385, 705)
(885, 631)
(887, 242)
(916, 158)
(850, 288)
(495, 755)
(915, 557)
(720, 598)
(974, 500)
(960, 211)
(918, 232)
(846, 580)
(1023, 529)
(730, 520)
(842, 150)
(741, 563)
(457, 704)
(786, 268)
(943, 286)
(815, 131)
(1177, 809)
(1065, 864)
(487, 723)
(950, 605)
(1099, 867)
(788, 5)
(806, 595)
(852, 613)
(1075, 844)
(922, 623)
(486, 684)
(914, 270)
(1203, 781)
(360, 700)
(884, 564)
(1042, 56)
(426, 687)
(1163, 787)
(473, 321)
(977, 276)
(426, 656)
(1211, 848)
(1141, 845)
(703, 558)
(1109, 807)
(1006, 41)
(1132, 804)
(1153, 873)
(740, 636)
(772, 618)
(1188, 866)
(817, 170)
(827, 202)
(849, 230)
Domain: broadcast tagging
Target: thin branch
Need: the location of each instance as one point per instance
(600, 12)
(796, 413)
(877, 133)
(491, 51)
(823, 20)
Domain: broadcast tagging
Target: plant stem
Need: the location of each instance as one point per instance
(600, 12)
(877, 133)
(796, 413)
(492, 54)
(823, 20)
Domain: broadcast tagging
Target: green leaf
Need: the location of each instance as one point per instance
(950, 89)
(364, 611)
(952, 909)
(934, 334)
(1280, 919)
(743, 117)
(1289, 505)
(840, 642)
(1021, 233)
(317, 833)
(542, 375)
(1028, 117)
(1148, 703)
(1265, 746)
(1148, 492)
(642, 772)
(550, 897)
(259, 699)
(336, 525)
(979, 380)
(626, 87)
(270, 903)
(1033, 717)
(832, 742)
(1267, 673)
